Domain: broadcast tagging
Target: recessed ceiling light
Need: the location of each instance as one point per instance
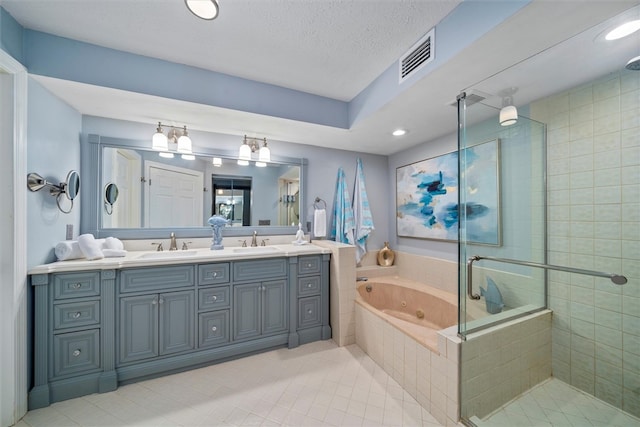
(399, 132)
(205, 9)
(623, 30)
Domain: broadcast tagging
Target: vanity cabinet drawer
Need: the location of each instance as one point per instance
(309, 312)
(309, 265)
(259, 269)
(308, 286)
(213, 298)
(76, 285)
(76, 352)
(212, 274)
(213, 328)
(76, 314)
(156, 278)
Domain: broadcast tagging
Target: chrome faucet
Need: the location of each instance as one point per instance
(254, 239)
(173, 245)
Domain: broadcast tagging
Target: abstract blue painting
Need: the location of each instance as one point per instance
(427, 196)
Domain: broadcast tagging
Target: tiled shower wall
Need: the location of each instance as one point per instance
(594, 223)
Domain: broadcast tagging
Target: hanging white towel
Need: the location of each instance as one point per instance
(320, 223)
(68, 249)
(91, 248)
(362, 214)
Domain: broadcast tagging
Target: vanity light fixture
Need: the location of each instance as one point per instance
(251, 145)
(204, 9)
(180, 142)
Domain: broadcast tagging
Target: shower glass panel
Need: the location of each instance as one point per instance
(502, 200)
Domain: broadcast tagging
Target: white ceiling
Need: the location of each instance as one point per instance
(333, 48)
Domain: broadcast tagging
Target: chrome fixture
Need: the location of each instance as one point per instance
(508, 113)
(618, 279)
(180, 142)
(173, 245)
(204, 9)
(251, 145)
(361, 279)
(69, 188)
(264, 242)
(160, 248)
(184, 245)
(254, 239)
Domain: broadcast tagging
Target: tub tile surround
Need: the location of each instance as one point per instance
(429, 375)
(594, 223)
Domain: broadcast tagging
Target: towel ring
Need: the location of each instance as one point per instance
(317, 205)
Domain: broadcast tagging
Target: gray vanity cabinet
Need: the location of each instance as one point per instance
(155, 325)
(96, 329)
(259, 309)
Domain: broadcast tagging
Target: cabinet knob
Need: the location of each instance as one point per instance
(76, 315)
(76, 285)
(154, 301)
(309, 265)
(215, 328)
(214, 298)
(309, 285)
(76, 352)
(309, 311)
(213, 275)
(161, 301)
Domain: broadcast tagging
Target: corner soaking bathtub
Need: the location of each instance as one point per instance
(418, 310)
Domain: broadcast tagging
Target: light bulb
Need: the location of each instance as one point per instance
(159, 141)
(245, 152)
(184, 142)
(265, 154)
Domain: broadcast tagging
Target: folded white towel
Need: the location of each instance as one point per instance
(112, 253)
(113, 243)
(90, 247)
(320, 223)
(68, 249)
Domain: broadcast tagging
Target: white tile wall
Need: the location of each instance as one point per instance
(594, 135)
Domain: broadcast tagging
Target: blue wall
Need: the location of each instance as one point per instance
(53, 150)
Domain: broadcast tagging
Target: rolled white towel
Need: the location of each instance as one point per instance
(113, 243)
(113, 253)
(68, 249)
(90, 247)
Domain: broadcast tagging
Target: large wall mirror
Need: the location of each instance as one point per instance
(157, 194)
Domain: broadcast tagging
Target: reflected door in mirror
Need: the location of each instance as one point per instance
(174, 196)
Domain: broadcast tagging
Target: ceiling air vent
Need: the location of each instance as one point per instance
(418, 56)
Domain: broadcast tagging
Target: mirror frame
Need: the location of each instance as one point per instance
(91, 149)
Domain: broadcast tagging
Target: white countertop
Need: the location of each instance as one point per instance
(191, 256)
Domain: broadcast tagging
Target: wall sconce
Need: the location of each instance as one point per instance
(181, 141)
(69, 188)
(251, 145)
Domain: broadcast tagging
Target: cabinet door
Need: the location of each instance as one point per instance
(177, 321)
(138, 327)
(274, 306)
(246, 311)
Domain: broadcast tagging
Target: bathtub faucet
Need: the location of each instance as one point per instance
(361, 279)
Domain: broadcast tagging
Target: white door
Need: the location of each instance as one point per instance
(174, 196)
(126, 210)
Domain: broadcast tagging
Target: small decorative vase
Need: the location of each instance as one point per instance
(217, 222)
(386, 256)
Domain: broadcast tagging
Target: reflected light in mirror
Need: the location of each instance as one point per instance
(243, 162)
(188, 157)
(261, 164)
(217, 162)
(166, 155)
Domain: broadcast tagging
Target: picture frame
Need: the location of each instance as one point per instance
(427, 196)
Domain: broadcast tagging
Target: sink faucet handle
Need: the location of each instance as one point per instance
(244, 243)
(160, 248)
(264, 242)
(184, 245)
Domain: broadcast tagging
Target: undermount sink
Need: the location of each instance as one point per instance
(168, 255)
(256, 250)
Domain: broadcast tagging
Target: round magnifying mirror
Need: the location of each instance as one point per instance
(110, 193)
(72, 185)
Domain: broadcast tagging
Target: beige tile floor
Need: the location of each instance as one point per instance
(317, 384)
(554, 403)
